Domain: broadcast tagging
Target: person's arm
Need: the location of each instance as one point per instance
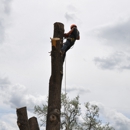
(67, 34)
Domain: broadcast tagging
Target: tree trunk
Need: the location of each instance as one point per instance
(33, 123)
(22, 120)
(54, 101)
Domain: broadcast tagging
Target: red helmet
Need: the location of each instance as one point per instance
(73, 25)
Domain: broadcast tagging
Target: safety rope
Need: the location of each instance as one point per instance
(65, 75)
(65, 84)
(65, 65)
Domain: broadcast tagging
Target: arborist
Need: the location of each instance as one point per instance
(71, 37)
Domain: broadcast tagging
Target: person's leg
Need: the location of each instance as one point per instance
(68, 47)
(71, 44)
(64, 55)
(65, 46)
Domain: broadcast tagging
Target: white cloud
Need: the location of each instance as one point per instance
(78, 90)
(115, 118)
(8, 121)
(72, 14)
(4, 82)
(70, 17)
(72, 8)
(18, 96)
(6, 126)
(117, 60)
(115, 33)
(15, 96)
(116, 36)
(4, 17)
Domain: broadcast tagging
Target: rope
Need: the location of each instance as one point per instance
(65, 68)
(65, 83)
(65, 75)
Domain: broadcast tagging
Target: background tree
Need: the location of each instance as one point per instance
(105, 127)
(70, 110)
(42, 113)
(70, 113)
(91, 121)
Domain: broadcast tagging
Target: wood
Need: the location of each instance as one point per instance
(33, 123)
(22, 118)
(54, 100)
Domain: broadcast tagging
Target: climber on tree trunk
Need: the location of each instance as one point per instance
(71, 37)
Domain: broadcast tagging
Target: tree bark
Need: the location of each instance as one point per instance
(22, 118)
(54, 100)
(33, 123)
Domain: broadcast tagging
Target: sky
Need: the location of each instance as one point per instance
(97, 67)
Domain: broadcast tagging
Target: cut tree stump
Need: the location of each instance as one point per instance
(22, 118)
(33, 123)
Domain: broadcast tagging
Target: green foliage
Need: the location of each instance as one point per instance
(105, 127)
(41, 112)
(70, 112)
(92, 113)
(91, 121)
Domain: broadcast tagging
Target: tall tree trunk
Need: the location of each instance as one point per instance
(22, 119)
(54, 101)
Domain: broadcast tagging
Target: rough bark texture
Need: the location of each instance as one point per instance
(33, 123)
(54, 101)
(22, 119)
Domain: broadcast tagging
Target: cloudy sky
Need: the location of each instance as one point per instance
(97, 68)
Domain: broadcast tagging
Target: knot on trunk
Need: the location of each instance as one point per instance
(52, 118)
(54, 115)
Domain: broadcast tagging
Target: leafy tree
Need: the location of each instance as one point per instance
(105, 127)
(91, 121)
(70, 112)
(41, 112)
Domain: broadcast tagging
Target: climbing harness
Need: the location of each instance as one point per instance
(72, 39)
